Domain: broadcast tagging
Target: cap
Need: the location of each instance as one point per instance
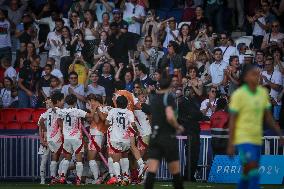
(118, 11)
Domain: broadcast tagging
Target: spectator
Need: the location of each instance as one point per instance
(183, 39)
(232, 75)
(28, 85)
(9, 70)
(127, 78)
(259, 59)
(199, 22)
(238, 8)
(54, 85)
(227, 50)
(172, 60)
(102, 7)
(151, 27)
(272, 79)
(44, 83)
(142, 76)
(219, 124)
(216, 8)
(101, 50)
(269, 16)
(105, 24)
(171, 33)
(273, 37)
(8, 95)
(20, 56)
(74, 21)
(217, 68)
(94, 87)
(77, 45)
(54, 72)
(203, 66)
(278, 63)
(51, 20)
(208, 105)
(30, 52)
(148, 54)
(193, 81)
(89, 27)
(117, 18)
(81, 68)
(76, 89)
(54, 42)
(134, 14)
(5, 37)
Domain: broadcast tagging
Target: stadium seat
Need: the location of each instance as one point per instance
(29, 125)
(24, 115)
(2, 125)
(13, 125)
(8, 115)
(36, 114)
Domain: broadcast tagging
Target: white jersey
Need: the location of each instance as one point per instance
(72, 123)
(53, 132)
(142, 123)
(120, 121)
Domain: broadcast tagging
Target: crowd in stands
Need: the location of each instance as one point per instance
(87, 47)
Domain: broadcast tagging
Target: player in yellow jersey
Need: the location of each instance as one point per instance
(248, 106)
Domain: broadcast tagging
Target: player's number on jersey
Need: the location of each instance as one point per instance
(121, 121)
(68, 120)
(49, 120)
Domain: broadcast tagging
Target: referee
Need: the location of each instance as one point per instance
(163, 142)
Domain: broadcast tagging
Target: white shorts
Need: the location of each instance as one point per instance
(118, 147)
(55, 147)
(73, 146)
(98, 140)
(43, 150)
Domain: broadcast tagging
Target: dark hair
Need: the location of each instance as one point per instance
(277, 50)
(95, 97)
(72, 73)
(50, 59)
(182, 27)
(246, 69)
(57, 96)
(175, 46)
(105, 13)
(232, 58)
(121, 102)
(165, 81)
(49, 66)
(142, 68)
(119, 85)
(193, 68)
(8, 78)
(259, 51)
(71, 99)
(79, 32)
(93, 15)
(59, 20)
(34, 51)
(217, 50)
(221, 104)
(62, 38)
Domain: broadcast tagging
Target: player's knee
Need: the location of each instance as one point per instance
(248, 167)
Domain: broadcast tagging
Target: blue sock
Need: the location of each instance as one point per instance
(253, 179)
(243, 183)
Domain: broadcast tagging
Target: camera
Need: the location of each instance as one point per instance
(77, 35)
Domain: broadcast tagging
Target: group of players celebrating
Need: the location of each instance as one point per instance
(81, 140)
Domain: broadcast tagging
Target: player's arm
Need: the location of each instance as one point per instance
(271, 123)
(101, 115)
(232, 128)
(42, 131)
(60, 124)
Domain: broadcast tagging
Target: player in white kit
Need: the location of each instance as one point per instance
(72, 133)
(48, 121)
(119, 133)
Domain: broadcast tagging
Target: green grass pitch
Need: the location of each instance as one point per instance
(159, 185)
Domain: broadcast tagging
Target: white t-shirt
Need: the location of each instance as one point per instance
(78, 89)
(120, 121)
(130, 11)
(6, 97)
(72, 123)
(53, 50)
(10, 72)
(257, 30)
(204, 106)
(169, 36)
(275, 78)
(217, 71)
(53, 132)
(5, 38)
(231, 51)
(99, 90)
(55, 72)
(142, 123)
(276, 38)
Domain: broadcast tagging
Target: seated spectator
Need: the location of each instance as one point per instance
(8, 95)
(171, 34)
(151, 27)
(94, 87)
(128, 77)
(208, 105)
(219, 124)
(81, 68)
(227, 50)
(172, 60)
(232, 75)
(9, 70)
(28, 82)
(76, 89)
(148, 54)
(74, 21)
(203, 65)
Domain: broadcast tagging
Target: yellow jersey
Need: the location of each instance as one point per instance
(81, 71)
(250, 108)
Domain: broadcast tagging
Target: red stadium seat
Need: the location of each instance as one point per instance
(13, 125)
(29, 125)
(24, 115)
(36, 114)
(2, 125)
(8, 115)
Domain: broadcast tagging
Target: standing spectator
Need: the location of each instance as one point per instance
(142, 76)
(171, 33)
(76, 89)
(74, 21)
(227, 49)
(101, 7)
(238, 8)
(89, 27)
(184, 39)
(216, 8)
(127, 78)
(117, 18)
(28, 85)
(44, 83)
(134, 14)
(278, 63)
(94, 87)
(101, 50)
(219, 123)
(203, 66)
(54, 85)
(105, 24)
(81, 68)
(217, 68)
(199, 21)
(9, 70)
(15, 11)
(274, 36)
(208, 105)
(269, 16)
(259, 59)
(232, 75)
(54, 42)
(272, 79)
(54, 71)
(5, 38)
(151, 27)
(194, 81)
(8, 94)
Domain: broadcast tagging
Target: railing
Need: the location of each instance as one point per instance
(19, 158)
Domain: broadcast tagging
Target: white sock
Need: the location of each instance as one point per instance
(42, 167)
(94, 168)
(53, 167)
(65, 166)
(110, 166)
(116, 168)
(140, 163)
(79, 169)
(124, 163)
(59, 171)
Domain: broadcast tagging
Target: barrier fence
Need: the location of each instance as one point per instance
(19, 158)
